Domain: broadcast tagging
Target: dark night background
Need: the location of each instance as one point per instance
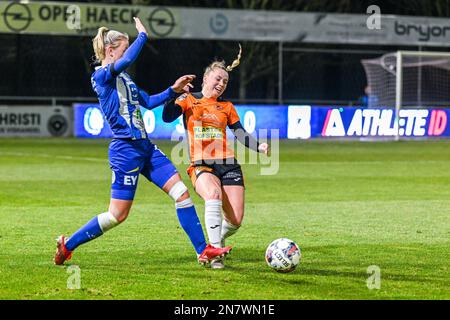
(59, 66)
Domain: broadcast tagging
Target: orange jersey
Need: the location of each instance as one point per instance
(206, 121)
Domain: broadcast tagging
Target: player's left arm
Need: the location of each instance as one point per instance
(132, 52)
(155, 100)
(152, 101)
(247, 139)
(242, 135)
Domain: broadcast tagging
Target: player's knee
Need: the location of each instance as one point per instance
(235, 222)
(179, 192)
(122, 217)
(107, 221)
(213, 193)
(184, 196)
(119, 215)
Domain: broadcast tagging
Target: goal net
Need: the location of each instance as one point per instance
(408, 80)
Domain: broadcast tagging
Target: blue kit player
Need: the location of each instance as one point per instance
(131, 152)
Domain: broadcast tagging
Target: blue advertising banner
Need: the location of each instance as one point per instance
(259, 117)
(364, 122)
(292, 122)
(91, 123)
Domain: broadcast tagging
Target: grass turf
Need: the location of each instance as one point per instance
(349, 205)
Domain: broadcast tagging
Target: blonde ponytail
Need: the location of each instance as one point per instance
(98, 44)
(104, 38)
(221, 64)
(236, 61)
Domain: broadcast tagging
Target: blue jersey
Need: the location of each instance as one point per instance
(120, 98)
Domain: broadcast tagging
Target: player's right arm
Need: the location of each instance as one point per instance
(173, 108)
(181, 85)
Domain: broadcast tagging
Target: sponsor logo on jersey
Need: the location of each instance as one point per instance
(207, 133)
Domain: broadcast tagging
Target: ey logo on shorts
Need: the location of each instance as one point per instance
(130, 180)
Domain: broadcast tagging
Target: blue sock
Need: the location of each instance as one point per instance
(191, 224)
(88, 232)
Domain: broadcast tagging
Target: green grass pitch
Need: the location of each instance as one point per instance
(349, 205)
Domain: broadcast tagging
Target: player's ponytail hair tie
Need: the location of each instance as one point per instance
(236, 61)
(106, 37)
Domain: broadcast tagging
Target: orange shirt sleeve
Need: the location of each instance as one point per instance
(232, 115)
(182, 101)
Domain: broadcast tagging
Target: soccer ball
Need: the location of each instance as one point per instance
(283, 255)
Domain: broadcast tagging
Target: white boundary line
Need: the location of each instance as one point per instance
(43, 155)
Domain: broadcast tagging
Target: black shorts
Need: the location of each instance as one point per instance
(228, 174)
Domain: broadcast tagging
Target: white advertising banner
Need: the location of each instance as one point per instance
(314, 27)
(71, 18)
(35, 121)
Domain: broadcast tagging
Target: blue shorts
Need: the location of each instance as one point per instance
(129, 158)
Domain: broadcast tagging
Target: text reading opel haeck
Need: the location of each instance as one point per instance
(226, 309)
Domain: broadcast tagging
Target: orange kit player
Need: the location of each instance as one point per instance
(215, 173)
